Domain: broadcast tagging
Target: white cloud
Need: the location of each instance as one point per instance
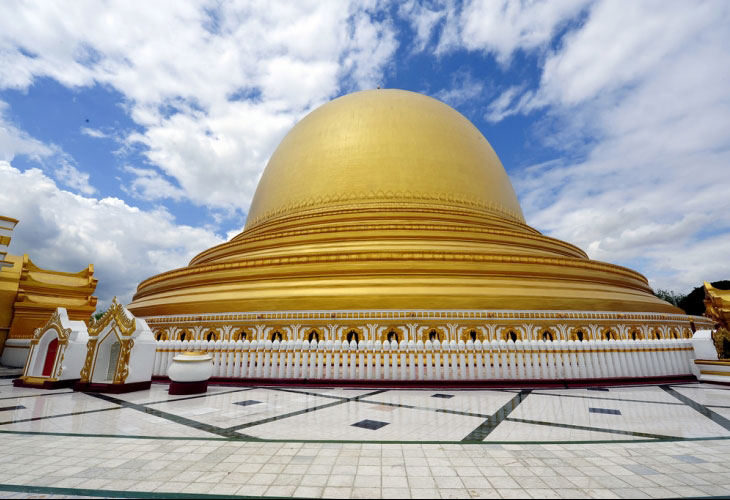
(15, 142)
(636, 101)
(182, 64)
(95, 133)
(149, 184)
(645, 84)
(70, 176)
(423, 20)
(464, 88)
(65, 231)
(497, 27)
(502, 27)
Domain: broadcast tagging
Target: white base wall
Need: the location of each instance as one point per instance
(15, 353)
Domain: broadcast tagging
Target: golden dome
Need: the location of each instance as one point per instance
(389, 200)
(381, 146)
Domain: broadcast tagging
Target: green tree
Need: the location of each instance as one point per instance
(693, 302)
(670, 296)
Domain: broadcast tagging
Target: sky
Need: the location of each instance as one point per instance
(134, 137)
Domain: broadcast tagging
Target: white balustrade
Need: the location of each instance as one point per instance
(434, 360)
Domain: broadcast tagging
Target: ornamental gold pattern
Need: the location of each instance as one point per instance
(122, 370)
(53, 323)
(117, 314)
(89, 361)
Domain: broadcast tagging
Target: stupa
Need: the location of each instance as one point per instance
(386, 215)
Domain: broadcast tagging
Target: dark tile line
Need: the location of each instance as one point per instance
(60, 415)
(306, 393)
(115, 436)
(436, 410)
(536, 393)
(709, 387)
(353, 441)
(702, 409)
(5, 377)
(11, 408)
(212, 429)
(55, 393)
(397, 405)
(660, 437)
(491, 423)
(83, 492)
(206, 395)
(302, 412)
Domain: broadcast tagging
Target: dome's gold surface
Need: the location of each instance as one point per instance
(390, 200)
(383, 146)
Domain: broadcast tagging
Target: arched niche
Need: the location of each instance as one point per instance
(513, 333)
(120, 353)
(547, 334)
(433, 333)
(56, 353)
(106, 358)
(313, 333)
(579, 333)
(608, 333)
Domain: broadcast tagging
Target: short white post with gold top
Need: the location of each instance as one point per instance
(189, 373)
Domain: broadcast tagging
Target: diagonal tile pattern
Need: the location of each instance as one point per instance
(668, 441)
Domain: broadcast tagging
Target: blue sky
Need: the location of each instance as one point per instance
(134, 141)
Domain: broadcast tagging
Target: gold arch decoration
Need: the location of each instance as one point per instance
(160, 334)
(184, 334)
(608, 333)
(116, 312)
(211, 334)
(441, 333)
(309, 330)
(466, 334)
(506, 333)
(579, 333)
(721, 337)
(398, 330)
(279, 332)
(551, 333)
(53, 323)
(634, 333)
(362, 335)
(242, 334)
(656, 333)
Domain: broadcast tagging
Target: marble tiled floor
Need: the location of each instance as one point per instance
(624, 442)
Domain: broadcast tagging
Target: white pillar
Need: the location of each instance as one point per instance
(462, 374)
(378, 354)
(411, 360)
(599, 362)
(436, 359)
(403, 360)
(313, 348)
(370, 361)
(297, 365)
(454, 362)
(503, 360)
(361, 368)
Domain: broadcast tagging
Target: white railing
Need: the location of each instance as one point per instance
(496, 360)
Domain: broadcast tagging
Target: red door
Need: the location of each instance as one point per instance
(50, 357)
